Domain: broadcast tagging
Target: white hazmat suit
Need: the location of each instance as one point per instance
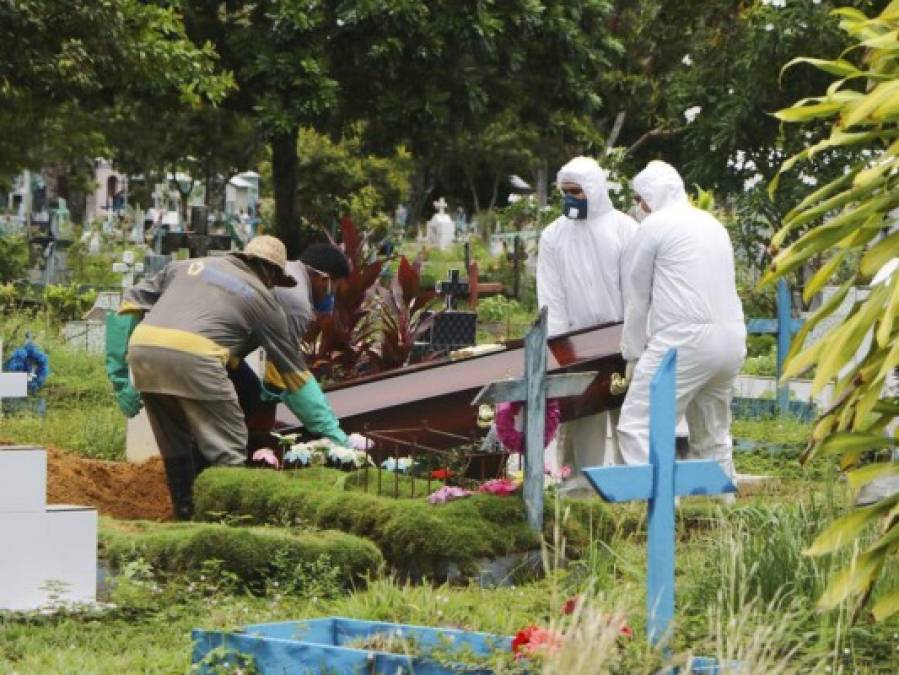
(679, 275)
(579, 280)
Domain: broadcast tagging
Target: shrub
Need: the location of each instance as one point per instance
(416, 538)
(13, 257)
(255, 556)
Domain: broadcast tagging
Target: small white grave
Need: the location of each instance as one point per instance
(49, 552)
(441, 230)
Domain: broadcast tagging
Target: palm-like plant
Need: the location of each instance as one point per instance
(339, 346)
(402, 316)
(849, 216)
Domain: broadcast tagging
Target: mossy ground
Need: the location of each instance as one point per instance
(417, 539)
(254, 556)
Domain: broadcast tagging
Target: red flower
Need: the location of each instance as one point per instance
(443, 474)
(522, 638)
(535, 641)
(569, 605)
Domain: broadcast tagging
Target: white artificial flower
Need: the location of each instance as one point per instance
(750, 183)
(687, 60)
(691, 114)
(808, 180)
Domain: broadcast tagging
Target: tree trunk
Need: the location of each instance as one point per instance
(495, 192)
(284, 182)
(473, 188)
(422, 185)
(542, 183)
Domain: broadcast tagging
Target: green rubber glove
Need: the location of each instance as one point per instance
(118, 330)
(310, 405)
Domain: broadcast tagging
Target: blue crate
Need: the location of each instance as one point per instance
(319, 646)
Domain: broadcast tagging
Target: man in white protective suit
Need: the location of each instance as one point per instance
(579, 280)
(679, 274)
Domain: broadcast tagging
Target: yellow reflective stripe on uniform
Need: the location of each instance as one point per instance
(290, 381)
(129, 307)
(179, 340)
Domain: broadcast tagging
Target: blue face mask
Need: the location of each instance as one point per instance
(325, 305)
(574, 208)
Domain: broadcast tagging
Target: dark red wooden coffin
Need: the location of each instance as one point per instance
(438, 394)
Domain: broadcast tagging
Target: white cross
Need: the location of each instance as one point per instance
(127, 268)
(441, 205)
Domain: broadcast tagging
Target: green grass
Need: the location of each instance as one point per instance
(81, 414)
(728, 574)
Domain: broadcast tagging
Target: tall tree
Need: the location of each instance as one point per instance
(418, 72)
(63, 60)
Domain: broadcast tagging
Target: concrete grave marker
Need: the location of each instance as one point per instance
(49, 552)
(128, 268)
(12, 385)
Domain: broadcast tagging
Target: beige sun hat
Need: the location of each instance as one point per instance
(271, 250)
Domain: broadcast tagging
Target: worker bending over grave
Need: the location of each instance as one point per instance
(578, 280)
(178, 330)
(679, 275)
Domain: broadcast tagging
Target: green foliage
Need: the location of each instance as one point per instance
(64, 303)
(416, 538)
(336, 178)
(59, 69)
(13, 257)
(846, 216)
(497, 308)
(304, 563)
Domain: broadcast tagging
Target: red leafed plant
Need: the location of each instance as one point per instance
(340, 345)
(401, 317)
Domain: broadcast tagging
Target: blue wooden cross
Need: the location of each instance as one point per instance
(658, 482)
(784, 326)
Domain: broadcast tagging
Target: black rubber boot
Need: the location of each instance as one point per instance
(179, 473)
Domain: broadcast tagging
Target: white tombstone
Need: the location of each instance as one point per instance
(12, 385)
(49, 552)
(441, 229)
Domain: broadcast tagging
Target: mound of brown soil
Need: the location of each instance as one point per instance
(117, 489)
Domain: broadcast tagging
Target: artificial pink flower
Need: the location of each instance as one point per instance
(499, 486)
(511, 434)
(563, 473)
(266, 455)
(447, 494)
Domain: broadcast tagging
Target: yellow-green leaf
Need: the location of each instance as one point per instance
(844, 530)
(807, 113)
(886, 606)
(869, 472)
(853, 580)
(880, 254)
(843, 441)
(860, 110)
(838, 67)
(822, 276)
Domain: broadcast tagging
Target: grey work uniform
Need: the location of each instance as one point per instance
(200, 314)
